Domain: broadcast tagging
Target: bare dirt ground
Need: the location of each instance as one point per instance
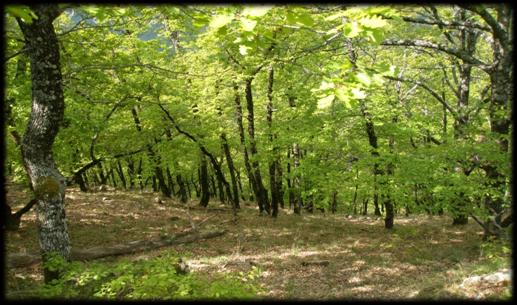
(313, 256)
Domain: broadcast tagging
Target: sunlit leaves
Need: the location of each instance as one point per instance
(243, 50)
(21, 11)
(363, 78)
(351, 29)
(256, 11)
(247, 24)
(299, 17)
(358, 93)
(372, 22)
(326, 101)
(220, 21)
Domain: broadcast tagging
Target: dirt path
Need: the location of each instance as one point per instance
(317, 256)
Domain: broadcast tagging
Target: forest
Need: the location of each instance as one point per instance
(258, 152)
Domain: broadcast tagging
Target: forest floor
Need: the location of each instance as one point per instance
(314, 256)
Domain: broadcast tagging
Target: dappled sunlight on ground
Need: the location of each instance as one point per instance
(314, 256)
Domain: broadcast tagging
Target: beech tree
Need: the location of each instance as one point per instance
(341, 106)
(45, 120)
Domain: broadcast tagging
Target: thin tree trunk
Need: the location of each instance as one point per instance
(278, 180)
(112, 176)
(170, 182)
(203, 181)
(247, 165)
(333, 205)
(182, 192)
(272, 163)
(82, 184)
(231, 169)
(131, 173)
(120, 172)
(298, 202)
(289, 183)
(239, 184)
(261, 194)
(155, 159)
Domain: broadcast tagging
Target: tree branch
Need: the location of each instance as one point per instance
(431, 91)
(430, 45)
(441, 23)
(497, 29)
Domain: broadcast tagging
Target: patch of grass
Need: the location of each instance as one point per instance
(155, 278)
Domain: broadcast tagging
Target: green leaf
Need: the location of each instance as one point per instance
(291, 18)
(325, 85)
(372, 22)
(220, 21)
(326, 101)
(23, 12)
(305, 19)
(352, 29)
(376, 35)
(256, 11)
(342, 95)
(335, 16)
(247, 24)
(243, 50)
(358, 93)
(363, 78)
(200, 21)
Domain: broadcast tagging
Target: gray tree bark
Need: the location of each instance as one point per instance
(46, 116)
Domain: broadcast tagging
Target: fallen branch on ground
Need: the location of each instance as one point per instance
(21, 260)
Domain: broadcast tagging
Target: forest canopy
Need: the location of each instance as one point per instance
(391, 110)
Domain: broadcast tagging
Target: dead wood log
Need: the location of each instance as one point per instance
(17, 260)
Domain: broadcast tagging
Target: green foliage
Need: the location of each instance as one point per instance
(21, 11)
(151, 279)
(328, 62)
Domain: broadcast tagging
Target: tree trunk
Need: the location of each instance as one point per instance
(261, 195)
(103, 178)
(222, 196)
(290, 189)
(182, 192)
(46, 116)
(195, 185)
(501, 80)
(386, 199)
(154, 158)
(468, 45)
(231, 169)
(120, 172)
(272, 163)
(82, 183)
(111, 174)
(239, 184)
(131, 173)
(298, 202)
(247, 165)
(333, 205)
(213, 189)
(170, 181)
(203, 181)
(278, 180)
